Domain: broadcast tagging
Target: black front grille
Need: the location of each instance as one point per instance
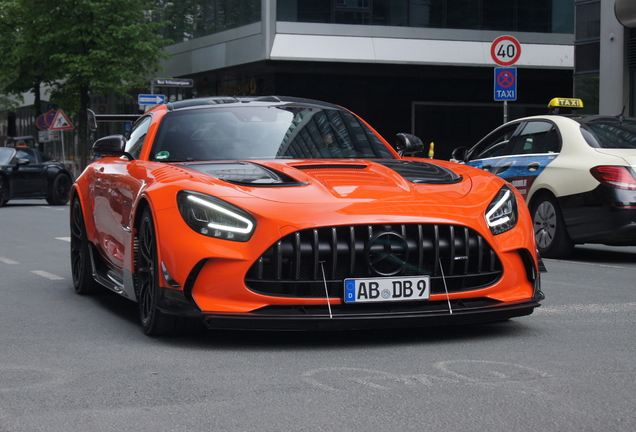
(456, 258)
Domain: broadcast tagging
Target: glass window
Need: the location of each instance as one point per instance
(138, 136)
(247, 133)
(190, 19)
(610, 133)
(26, 154)
(537, 137)
(588, 21)
(544, 16)
(495, 144)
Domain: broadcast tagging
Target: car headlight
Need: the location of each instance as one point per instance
(215, 218)
(501, 215)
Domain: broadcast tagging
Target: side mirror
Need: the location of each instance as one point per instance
(408, 144)
(112, 145)
(459, 154)
(22, 162)
(92, 120)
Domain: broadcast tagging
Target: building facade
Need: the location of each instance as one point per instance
(420, 66)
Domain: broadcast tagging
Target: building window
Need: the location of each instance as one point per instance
(191, 19)
(544, 16)
(587, 45)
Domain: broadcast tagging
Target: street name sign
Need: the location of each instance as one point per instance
(173, 82)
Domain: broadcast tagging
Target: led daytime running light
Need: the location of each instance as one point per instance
(247, 222)
(495, 209)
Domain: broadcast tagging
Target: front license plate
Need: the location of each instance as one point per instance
(387, 289)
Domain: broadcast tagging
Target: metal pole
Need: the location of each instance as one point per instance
(505, 111)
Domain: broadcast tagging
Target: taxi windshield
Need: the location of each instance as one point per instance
(265, 132)
(6, 154)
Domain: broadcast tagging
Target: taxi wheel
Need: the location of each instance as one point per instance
(153, 321)
(553, 240)
(60, 190)
(81, 268)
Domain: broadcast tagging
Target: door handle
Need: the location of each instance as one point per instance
(534, 166)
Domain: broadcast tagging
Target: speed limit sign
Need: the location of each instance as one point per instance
(505, 50)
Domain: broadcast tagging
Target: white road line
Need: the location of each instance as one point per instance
(66, 239)
(587, 264)
(591, 308)
(57, 208)
(47, 275)
(8, 261)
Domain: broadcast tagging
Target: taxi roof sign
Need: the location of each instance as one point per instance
(565, 103)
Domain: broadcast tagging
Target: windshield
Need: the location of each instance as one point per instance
(6, 154)
(264, 132)
(610, 133)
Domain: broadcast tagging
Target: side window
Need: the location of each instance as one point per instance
(537, 137)
(26, 154)
(496, 144)
(138, 136)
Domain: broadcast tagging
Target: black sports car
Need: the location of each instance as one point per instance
(28, 173)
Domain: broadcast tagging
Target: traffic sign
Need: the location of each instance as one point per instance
(61, 122)
(151, 99)
(505, 84)
(173, 82)
(505, 50)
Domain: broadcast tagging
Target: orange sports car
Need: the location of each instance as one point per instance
(286, 213)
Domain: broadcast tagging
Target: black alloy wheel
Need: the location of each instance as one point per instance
(81, 268)
(552, 238)
(60, 190)
(153, 321)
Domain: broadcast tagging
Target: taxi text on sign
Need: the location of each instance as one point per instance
(505, 84)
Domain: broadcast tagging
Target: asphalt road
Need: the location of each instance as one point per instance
(76, 363)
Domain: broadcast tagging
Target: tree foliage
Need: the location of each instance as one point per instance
(77, 48)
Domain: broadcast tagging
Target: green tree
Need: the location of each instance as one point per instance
(25, 65)
(87, 46)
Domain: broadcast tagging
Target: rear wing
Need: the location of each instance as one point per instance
(94, 118)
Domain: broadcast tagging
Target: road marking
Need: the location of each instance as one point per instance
(67, 239)
(56, 208)
(8, 261)
(47, 275)
(591, 308)
(587, 264)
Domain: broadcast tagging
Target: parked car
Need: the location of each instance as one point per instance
(577, 173)
(285, 213)
(28, 173)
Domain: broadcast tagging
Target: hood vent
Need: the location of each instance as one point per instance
(245, 174)
(421, 172)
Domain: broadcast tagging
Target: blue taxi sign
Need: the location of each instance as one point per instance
(505, 84)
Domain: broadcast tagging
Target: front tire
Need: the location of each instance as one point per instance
(153, 320)
(553, 240)
(81, 268)
(60, 190)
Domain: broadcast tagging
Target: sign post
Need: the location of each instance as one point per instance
(505, 51)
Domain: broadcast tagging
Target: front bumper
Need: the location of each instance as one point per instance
(435, 313)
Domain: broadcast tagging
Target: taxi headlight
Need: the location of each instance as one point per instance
(215, 218)
(501, 215)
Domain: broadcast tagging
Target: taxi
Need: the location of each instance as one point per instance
(577, 174)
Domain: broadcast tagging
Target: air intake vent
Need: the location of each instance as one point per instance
(293, 266)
